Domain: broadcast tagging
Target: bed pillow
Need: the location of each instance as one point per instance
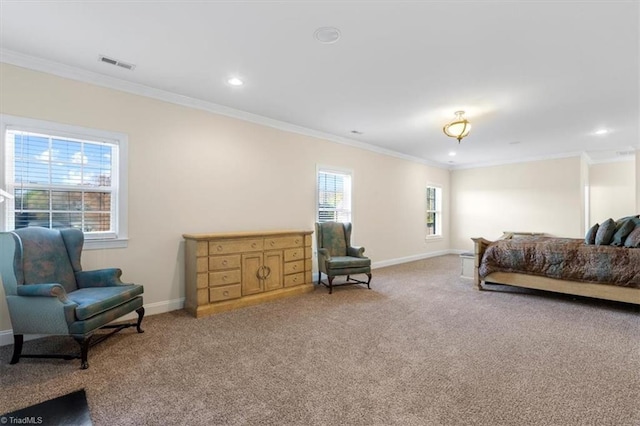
(622, 230)
(633, 239)
(590, 238)
(605, 232)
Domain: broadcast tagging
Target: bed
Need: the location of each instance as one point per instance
(562, 265)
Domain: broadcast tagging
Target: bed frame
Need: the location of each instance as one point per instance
(600, 291)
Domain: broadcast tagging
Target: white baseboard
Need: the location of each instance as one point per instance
(6, 336)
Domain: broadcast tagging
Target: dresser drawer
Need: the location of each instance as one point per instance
(283, 242)
(294, 267)
(225, 292)
(294, 279)
(294, 254)
(235, 246)
(224, 262)
(224, 277)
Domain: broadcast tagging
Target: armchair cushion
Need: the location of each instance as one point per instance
(340, 262)
(95, 300)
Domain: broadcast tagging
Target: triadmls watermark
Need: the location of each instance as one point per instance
(25, 420)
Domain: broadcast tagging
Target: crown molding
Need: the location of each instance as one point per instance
(518, 161)
(73, 73)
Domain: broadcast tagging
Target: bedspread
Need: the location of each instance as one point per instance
(564, 258)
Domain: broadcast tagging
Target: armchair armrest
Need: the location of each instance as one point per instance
(40, 290)
(324, 253)
(99, 278)
(355, 251)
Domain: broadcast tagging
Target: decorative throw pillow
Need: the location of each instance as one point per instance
(622, 230)
(633, 239)
(590, 238)
(622, 219)
(605, 232)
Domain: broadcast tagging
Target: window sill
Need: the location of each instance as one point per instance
(106, 244)
(433, 238)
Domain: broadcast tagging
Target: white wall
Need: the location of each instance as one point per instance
(538, 196)
(194, 171)
(612, 190)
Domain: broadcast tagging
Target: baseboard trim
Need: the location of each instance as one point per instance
(6, 336)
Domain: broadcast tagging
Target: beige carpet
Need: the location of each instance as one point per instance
(422, 347)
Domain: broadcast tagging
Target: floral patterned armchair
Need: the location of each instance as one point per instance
(48, 293)
(336, 256)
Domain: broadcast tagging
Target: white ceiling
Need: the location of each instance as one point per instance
(536, 78)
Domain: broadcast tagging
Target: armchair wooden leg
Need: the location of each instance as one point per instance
(330, 283)
(140, 312)
(84, 350)
(18, 339)
(368, 281)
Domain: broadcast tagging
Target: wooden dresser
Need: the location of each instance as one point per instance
(233, 270)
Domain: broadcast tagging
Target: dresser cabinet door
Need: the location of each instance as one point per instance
(273, 263)
(252, 271)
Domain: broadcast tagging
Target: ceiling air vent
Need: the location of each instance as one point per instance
(625, 153)
(115, 62)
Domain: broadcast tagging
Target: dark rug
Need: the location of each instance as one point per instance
(68, 410)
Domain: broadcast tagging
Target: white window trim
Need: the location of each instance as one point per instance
(439, 225)
(332, 169)
(121, 172)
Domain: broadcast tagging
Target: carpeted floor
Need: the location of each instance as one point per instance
(422, 347)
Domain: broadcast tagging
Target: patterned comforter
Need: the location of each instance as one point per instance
(564, 258)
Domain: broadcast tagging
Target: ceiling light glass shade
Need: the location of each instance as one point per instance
(458, 128)
(235, 81)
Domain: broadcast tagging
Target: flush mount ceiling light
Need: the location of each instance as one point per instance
(235, 81)
(327, 35)
(601, 132)
(458, 128)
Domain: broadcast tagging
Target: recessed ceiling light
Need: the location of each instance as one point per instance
(327, 35)
(235, 81)
(601, 132)
(452, 154)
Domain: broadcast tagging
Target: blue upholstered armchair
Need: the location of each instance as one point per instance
(48, 292)
(336, 256)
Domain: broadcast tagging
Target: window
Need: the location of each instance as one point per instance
(64, 176)
(434, 213)
(334, 196)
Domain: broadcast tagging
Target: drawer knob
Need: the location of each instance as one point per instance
(219, 248)
(295, 267)
(272, 243)
(225, 293)
(254, 245)
(295, 279)
(297, 241)
(224, 278)
(224, 263)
